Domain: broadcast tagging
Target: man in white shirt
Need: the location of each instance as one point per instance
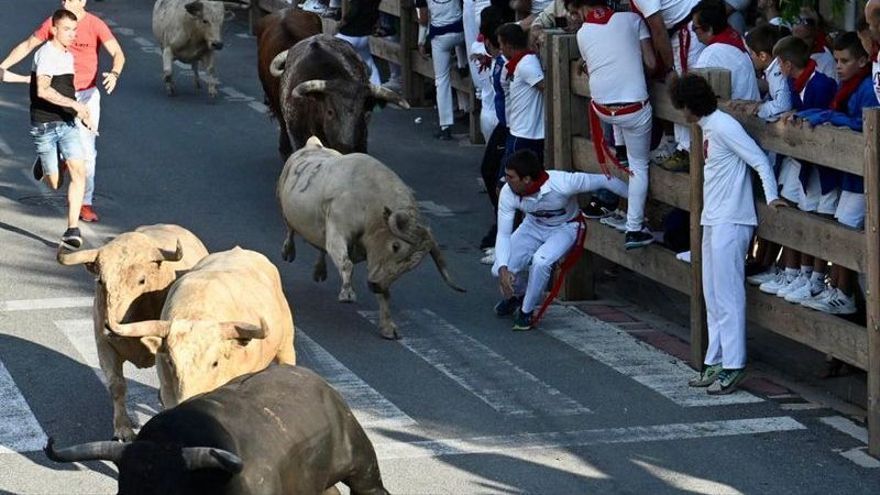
(616, 48)
(523, 83)
(728, 220)
(550, 228)
(725, 49)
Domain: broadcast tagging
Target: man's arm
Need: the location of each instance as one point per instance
(581, 182)
(738, 140)
(660, 37)
(21, 51)
(649, 58)
(7, 76)
(46, 92)
(112, 77)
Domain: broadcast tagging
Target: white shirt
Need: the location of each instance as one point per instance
(779, 97)
(672, 11)
(613, 54)
(743, 83)
(825, 63)
(727, 184)
(52, 61)
(538, 6)
(524, 104)
(443, 12)
(875, 76)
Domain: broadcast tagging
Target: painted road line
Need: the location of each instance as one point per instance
(258, 107)
(124, 31)
(19, 429)
(861, 458)
(633, 434)
(502, 385)
(437, 210)
(50, 303)
(142, 396)
(369, 406)
(4, 147)
(143, 41)
(847, 427)
(638, 360)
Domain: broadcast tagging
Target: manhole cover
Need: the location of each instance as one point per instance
(56, 199)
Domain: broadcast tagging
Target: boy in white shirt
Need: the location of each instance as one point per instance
(616, 48)
(728, 220)
(523, 82)
(725, 49)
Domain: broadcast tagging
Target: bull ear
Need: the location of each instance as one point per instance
(245, 331)
(195, 8)
(153, 344)
(149, 328)
(166, 255)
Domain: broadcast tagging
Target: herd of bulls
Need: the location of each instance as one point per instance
(239, 417)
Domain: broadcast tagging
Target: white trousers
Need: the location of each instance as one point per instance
(539, 246)
(361, 45)
(724, 256)
(91, 98)
(442, 49)
(635, 129)
(683, 132)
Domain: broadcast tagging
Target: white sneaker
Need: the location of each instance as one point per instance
(663, 151)
(837, 304)
(760, 278)
(780, 281)
(806, 291)
(489, 259)
(826, 293)
(315, 6)
(798, 282)
(616, 220)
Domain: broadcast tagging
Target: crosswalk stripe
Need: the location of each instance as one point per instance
(49, 303)
(501, 384)
(19, 429)
(651, 367)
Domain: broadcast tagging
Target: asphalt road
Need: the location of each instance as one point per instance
(461, 405)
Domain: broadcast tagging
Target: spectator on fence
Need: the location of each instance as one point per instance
(725, 49)
(523, 82)
(728, 220)
(550, 228)
(617, 51)
(356, 27)
(809, 27)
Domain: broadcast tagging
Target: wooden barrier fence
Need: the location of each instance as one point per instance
(569, 147)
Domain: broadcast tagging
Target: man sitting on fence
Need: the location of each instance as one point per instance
(616, 48)
(728, 220)
(551, 226)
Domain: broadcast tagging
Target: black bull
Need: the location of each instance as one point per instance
(283, 430)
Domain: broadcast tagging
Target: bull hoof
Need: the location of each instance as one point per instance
(288, 251)
(390, 333)
(347, 295)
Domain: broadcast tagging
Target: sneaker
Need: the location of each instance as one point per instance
(522, 321)
(507, 307)
(37, 169)
(489, 258)
(727, 382)
(680, 161)
(616, 220)
(620, 152)
(87, 214)
(806, 291)
(780, 281)
(595, 211)
(444, 134)
(826, 294)
(837, 304)
(662, 152)
(637, 239)
(393, 85)
(762, 277)
(315, 6)
(798, 282)
(72, 238)
(707, 376)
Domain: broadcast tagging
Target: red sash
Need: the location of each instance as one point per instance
(514, 61)
(598, 135)
(801, 82)
(571, 259)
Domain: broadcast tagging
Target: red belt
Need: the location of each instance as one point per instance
(598, 135)
(571, 259)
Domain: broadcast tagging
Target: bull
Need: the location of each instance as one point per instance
(281, 431)
(276, 33)
(326, 92)
(190, 31)
(132, 275)
(354, 208)
(227, 317)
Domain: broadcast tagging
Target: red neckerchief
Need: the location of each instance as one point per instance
(536, 184)
(819, 44)
(600, 15)
(514, 61)
(729, 37)
(801, 82)
(875, 50)
(847, 88)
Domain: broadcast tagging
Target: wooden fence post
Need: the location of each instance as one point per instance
(413, 83)
(699, 333)
(871, 130)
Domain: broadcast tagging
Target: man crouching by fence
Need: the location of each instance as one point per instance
(728, 220)
(553, 224)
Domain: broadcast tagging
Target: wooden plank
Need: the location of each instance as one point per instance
(390, 7)
(413, 84)
(872, 295)
(550, 92)
(559, 96)
(699, 328)
(424, 66)
(386, 50)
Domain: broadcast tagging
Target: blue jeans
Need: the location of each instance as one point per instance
(54, 137)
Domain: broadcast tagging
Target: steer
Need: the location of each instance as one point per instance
(190, 31)
(355, 208)
(228, 316)
(282, 431)
(326, 92)
(132, 275)
(276, 33)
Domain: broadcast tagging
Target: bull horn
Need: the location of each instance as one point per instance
(211, 458)
(245, 331)
(386, 94)
(68, 258)
(149, 328)
(311, 86)
(176, 255)
(276, 68)
(437, 256)
(94, 451)
(400, 225)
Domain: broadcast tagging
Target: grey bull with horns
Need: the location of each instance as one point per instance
(355, 209)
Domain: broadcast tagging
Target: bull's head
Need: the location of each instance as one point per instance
(206, 21)
(194, 356)
(399, 247)
(149, 468)
(129, 270)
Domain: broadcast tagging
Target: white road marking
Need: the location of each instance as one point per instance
(502, 385)
(437, 210)
(686, 482)
(142, 396)
(4, 147)
(800, 406)
(370, 408)
(259, 107)
(143, 41)
(109, 22)
(19, 429)
(861, 458)
(50, 303)
(645, 364)
(243, 35)
(633, 434)
(847, 427)
(123, 31)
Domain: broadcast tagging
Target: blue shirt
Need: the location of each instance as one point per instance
(818, 93)
(497, 67)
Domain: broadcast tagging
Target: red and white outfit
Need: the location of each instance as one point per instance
(728, 220)
(548, 230)
(524, 103)
(91, 33)
(610, 44)
(726, 50)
